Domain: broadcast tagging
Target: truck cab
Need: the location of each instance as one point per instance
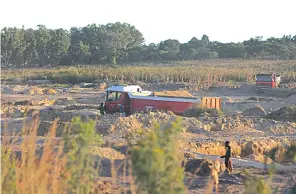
(117, 99)
(267, 81)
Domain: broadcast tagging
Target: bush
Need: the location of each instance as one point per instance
(60, 166)
(199, 111)
(80, 163)
(157, 161)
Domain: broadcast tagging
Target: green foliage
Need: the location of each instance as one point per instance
(122, 42)
(8, 176)
(199, 111)
(256, 185)
(80, 163)
(157, 162)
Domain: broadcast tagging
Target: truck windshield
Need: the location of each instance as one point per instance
(264, 78)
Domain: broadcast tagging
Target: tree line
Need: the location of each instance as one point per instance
(122, 42)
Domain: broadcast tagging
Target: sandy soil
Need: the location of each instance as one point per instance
(244, 129)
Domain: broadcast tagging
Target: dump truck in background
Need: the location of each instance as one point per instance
(267, 81)
(130, 99)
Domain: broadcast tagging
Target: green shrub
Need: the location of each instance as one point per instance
(157, 161)
(80, 163)
(198, 111)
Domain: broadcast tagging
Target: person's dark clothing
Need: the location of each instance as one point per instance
(227, 157)
(102, 109)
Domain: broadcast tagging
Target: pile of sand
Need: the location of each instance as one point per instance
(179, 93)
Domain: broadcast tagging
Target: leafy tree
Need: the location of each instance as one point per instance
(42, 36)
(168, 49)
(113, 42)
(120, 38)
(58, 45)
(30, 52)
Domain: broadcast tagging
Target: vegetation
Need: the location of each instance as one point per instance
(201, 74)
(122, 42)
(59, 167)
(157, 160)
(199, 111)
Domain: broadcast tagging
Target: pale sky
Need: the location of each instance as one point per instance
(221, 20)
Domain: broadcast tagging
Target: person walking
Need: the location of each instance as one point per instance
(102, 108)
(227, 156)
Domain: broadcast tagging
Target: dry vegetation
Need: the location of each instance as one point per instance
(201, 73)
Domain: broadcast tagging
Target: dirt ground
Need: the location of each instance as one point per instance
(251, 135)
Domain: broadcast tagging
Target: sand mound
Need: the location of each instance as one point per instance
(256, 111)
(179, 93)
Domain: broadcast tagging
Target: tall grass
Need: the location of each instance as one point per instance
(200, 73)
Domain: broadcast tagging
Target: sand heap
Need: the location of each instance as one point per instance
(178, 93)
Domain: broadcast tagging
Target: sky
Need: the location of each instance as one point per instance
(158, 20)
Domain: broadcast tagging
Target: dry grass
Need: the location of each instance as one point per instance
(27, 167)
(202, 74)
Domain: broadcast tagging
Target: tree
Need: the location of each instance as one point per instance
(58, 45)
(12, 46)
(42, 36)
(30, 52)
(120, 38)
(168, 49)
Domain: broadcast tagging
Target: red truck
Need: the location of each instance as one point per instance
(267, 81)
(130, 99)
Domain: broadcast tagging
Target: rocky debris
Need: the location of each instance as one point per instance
(106, 152)
(246, 89)
(67, 101)
(260, 158)
(50, 113)
(45, 102)
(81, 107)
(256, 111)
(102, 187)
(201, 166)
(45, 126)
(6, 90)
(104, 166)
(284, 153)
(38, 82)
(13, 125)
(280, 92)
(211, 147)
(259, 147)
(34, 91)
(13, 111)
(17, 80)
(256, 99)
(51, 91)
(284, 114)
